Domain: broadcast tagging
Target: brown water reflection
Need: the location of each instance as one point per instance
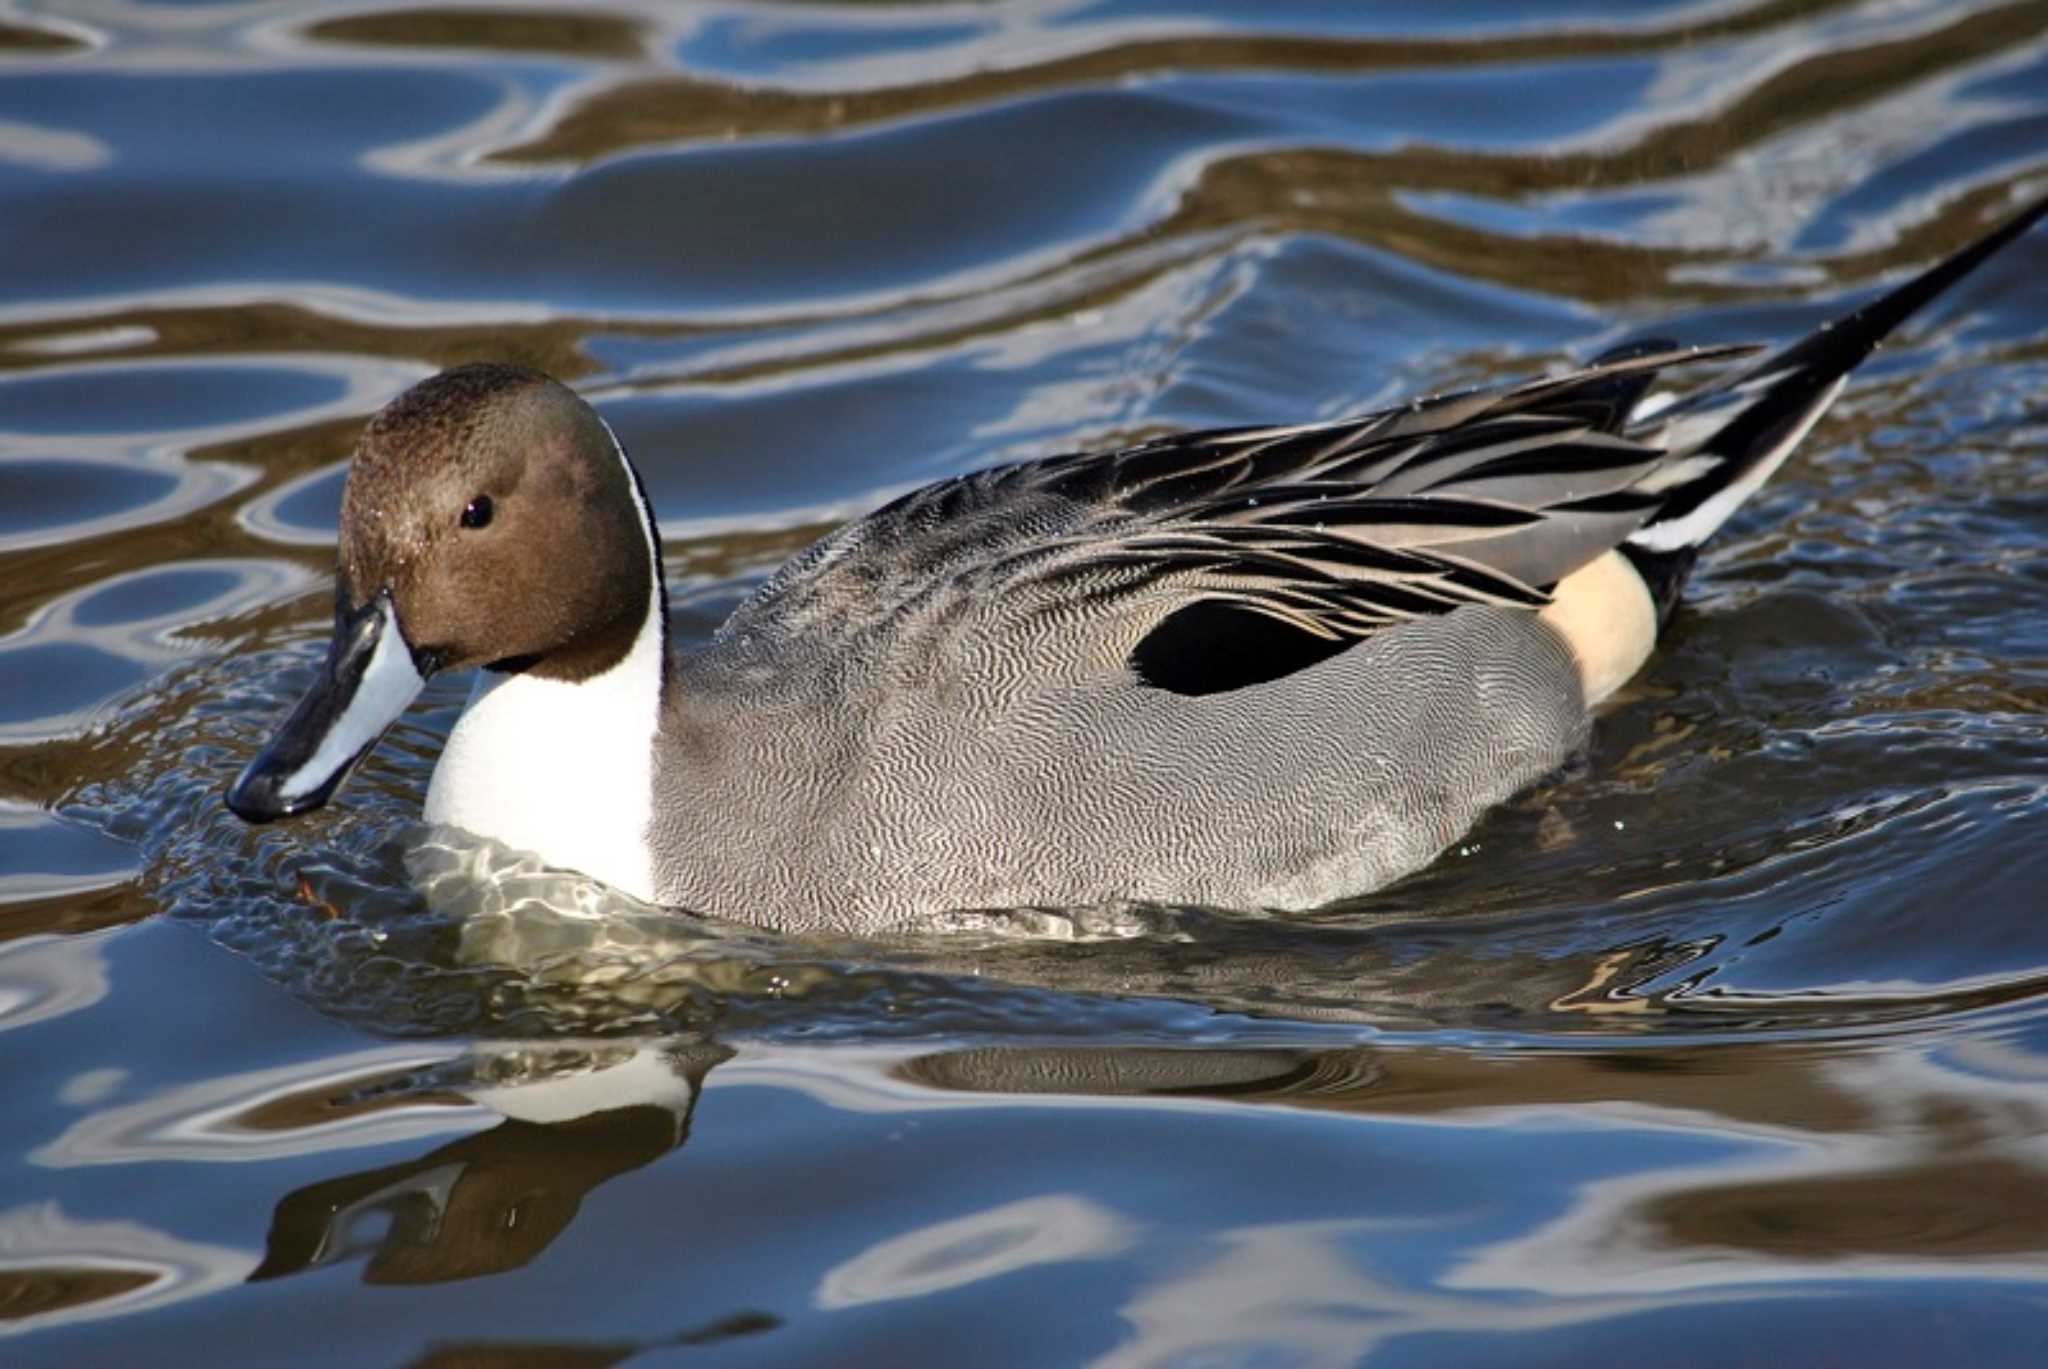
(634, 114)
(23, 39)
(1878, 1164)
(1360, 195)
(565, 33)
(1876, 1161)
(586, 1354)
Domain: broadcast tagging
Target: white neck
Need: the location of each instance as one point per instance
(564, 769)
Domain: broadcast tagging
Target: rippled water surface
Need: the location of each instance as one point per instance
(1730, 1045)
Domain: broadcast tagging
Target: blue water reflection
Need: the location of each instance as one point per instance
(764, 43)
(150, 399)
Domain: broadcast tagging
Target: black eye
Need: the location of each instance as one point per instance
(478, 514)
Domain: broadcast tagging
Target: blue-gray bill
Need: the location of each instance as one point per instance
(369, 677)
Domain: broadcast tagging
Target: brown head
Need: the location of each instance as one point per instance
(493, 505)
(489, 520)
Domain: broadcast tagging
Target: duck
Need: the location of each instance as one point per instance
(1250, 667)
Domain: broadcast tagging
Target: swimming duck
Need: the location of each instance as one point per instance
(1253, 667)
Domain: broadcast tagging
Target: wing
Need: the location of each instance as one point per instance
(1331, 531)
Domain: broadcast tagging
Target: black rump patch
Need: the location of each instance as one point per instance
(1210, 647)
(1664, 572)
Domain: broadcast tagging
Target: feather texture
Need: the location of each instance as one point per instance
(1334, 529)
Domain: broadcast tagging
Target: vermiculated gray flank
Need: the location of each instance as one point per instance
(870, 788)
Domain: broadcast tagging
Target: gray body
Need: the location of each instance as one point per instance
(858, 796)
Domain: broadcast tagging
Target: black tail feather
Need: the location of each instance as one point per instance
(1623, 392)
(1820, 358)
(1752, 422)
(1838, 347)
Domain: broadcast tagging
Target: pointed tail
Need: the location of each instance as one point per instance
(1726, 441)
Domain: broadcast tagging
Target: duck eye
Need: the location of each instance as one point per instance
(478, 512)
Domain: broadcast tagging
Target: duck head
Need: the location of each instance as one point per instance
(490, 520)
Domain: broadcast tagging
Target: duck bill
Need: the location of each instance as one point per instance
(371, 674)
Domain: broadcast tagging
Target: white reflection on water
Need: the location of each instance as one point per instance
(1053, 1229)
(47, 976)
(210, 1120)
(1921, 1188)
(38, 873)
(1905, 1165)
(331, 1103)
(557, 1086)
(340, 301)
(261, 517)
(1771, 198)
(194, 485)
(459, 153)
(112, 338)
(51, 149)
(1296, 1293)
(154, 643)
(362, 385)
(864, 1079)
(38, 1242)
(1136, 335)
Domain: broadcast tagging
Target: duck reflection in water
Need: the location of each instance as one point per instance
(492, 1201)
(1809, 1173)
(1825, 1179)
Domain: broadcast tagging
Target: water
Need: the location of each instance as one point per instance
(1730, 1045)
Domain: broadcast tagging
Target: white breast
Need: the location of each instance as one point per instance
(563, 770)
